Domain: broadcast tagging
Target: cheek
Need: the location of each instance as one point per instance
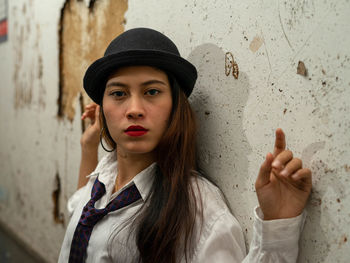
(112, 115)
(164, 113)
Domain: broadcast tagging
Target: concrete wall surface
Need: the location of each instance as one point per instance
(262, 65)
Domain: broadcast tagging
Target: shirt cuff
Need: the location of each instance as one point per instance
(272, 234)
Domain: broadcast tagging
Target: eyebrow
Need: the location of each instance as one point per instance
(146, 83)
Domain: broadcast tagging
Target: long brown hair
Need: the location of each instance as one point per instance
(165, 228)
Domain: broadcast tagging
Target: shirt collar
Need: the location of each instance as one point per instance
(144, 180)
(106, 171)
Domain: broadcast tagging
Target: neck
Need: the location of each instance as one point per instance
(129, 165)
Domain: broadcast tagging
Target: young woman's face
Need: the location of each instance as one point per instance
(137, 104)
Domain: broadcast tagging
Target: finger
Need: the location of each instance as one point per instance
(88, 109)
(84, 115)
(97, 116)
(264, 172)
(88, 114)
(91, 105)
(282, 159)
(292, 167)
(302, 174)
(280, 142)
(97, 111)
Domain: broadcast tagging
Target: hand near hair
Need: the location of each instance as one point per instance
(91, 136)
(89, 143)
(282, 186)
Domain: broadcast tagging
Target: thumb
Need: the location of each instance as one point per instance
(264, 172)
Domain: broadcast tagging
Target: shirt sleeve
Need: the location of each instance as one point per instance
(223, 242)
(273, 241)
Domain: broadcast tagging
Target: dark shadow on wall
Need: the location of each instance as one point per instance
(219, 103)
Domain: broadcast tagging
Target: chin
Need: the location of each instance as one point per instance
(137, 148)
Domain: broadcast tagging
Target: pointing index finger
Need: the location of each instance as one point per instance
(280, 142)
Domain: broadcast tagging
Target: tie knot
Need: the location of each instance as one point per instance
(91, 215)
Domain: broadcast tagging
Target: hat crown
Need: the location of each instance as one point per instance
(139, 46)
(141, 39)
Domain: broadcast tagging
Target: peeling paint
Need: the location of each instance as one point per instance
(23, 89)
(230, 63)
(256, 44)
(84, 35)
(26, 79)
(301, 69)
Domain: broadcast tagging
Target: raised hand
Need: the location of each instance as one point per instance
(91, 136)
(283, 185)
(89, 143)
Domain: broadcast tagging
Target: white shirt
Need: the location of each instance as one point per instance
(220, 240)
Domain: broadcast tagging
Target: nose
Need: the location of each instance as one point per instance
(136, 108)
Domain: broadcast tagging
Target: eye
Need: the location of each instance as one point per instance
(118, 94)
(152, 92)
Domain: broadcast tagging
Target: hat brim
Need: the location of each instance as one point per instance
(96, 75)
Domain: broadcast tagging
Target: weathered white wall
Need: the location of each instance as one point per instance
(237, 116)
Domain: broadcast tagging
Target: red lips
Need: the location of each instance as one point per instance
(136, 130)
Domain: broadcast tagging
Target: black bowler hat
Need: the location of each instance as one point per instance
(139, 46)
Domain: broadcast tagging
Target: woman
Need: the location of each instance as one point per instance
(146, 201)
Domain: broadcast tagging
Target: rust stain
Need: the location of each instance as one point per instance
(57, 215)
(347, 167)
(84, 35)
(230, 63)
(256, 44)
(301, 69)
(342, 241)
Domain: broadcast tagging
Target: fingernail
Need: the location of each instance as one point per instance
(276, 164)
(284, 172)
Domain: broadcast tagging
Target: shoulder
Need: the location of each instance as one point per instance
(209, 193)
(216, 227)
(210, 200)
